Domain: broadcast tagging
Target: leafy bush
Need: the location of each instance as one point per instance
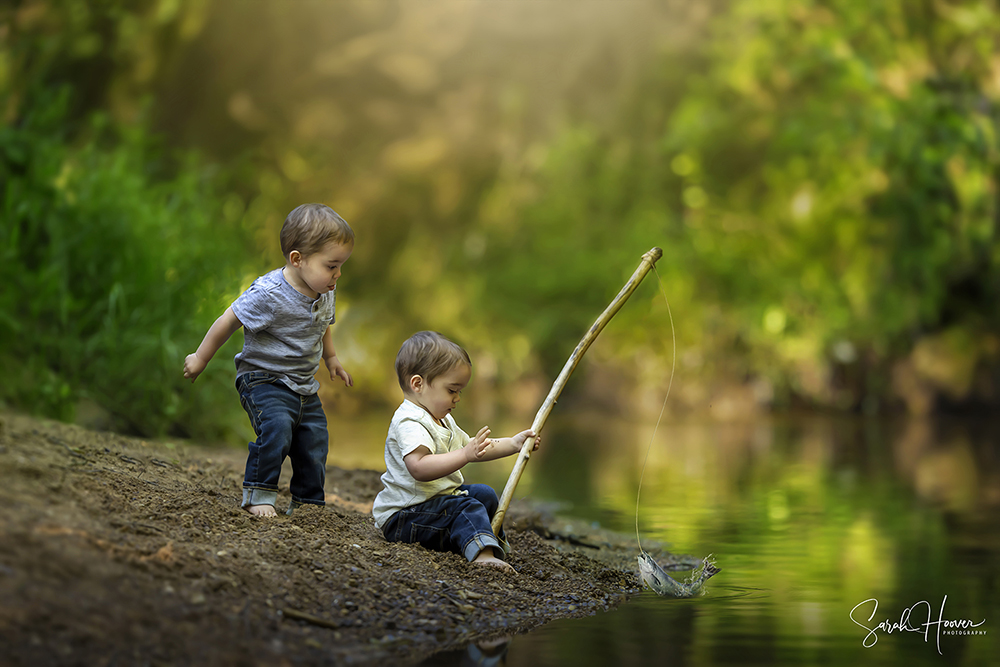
(114, 258)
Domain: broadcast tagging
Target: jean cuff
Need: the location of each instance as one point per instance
(479, 542)
(259, 497)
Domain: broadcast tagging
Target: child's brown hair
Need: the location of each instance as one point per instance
(309, 227)
(427, 354)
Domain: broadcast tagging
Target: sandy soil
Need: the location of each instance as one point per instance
(118, 551)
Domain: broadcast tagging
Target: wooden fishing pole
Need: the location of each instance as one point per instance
(648, 260)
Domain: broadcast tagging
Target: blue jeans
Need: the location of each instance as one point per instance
(287, 424)
(460, 524)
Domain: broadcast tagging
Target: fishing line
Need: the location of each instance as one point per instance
(673, 367)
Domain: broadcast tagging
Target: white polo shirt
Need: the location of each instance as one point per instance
(413, 427)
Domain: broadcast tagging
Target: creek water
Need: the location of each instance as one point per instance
(841, 541)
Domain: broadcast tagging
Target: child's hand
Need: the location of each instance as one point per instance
(193, 366)
(337, 371)
(524, 435)
(477, 446)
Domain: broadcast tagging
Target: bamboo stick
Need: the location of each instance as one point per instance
(648, 260)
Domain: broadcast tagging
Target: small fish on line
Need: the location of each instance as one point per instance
(663, 584)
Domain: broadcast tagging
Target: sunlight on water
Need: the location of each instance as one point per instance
(808, 520)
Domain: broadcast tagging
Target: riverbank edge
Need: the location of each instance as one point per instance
(145, 543)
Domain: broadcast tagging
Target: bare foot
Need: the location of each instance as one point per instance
(486, 557)
(261, 510)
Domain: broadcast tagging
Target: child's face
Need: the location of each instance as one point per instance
(319, 272)
(442, 395)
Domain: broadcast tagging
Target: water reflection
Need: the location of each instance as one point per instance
(807, 519)
(485, 653)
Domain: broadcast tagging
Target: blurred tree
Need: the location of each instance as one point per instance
(106, 53)
(847, 159)
(399, 115)
(820, 175)
(825, 191)
(115, 253)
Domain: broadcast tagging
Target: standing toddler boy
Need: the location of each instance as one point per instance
(286, 317)
(425, 498)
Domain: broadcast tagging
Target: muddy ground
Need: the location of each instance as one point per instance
(119, 551)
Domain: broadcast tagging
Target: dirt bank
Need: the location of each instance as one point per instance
(118, 551)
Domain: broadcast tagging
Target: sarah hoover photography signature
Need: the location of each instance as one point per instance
(916, 618)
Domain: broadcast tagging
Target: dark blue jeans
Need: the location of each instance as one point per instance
(287, 424)
(460, 524)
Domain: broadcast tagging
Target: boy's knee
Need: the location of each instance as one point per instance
(485, 494)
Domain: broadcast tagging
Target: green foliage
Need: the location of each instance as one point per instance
(114, 263)
(821, 176)
(823, 186)
(555, 261)
(847, 166)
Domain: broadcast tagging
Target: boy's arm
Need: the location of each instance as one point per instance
(332, 362)
(426, 467)
(217, 335)
(500, 447)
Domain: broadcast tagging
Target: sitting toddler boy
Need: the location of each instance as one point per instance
(425, 498)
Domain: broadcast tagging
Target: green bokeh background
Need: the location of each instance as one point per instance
(821, 176)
